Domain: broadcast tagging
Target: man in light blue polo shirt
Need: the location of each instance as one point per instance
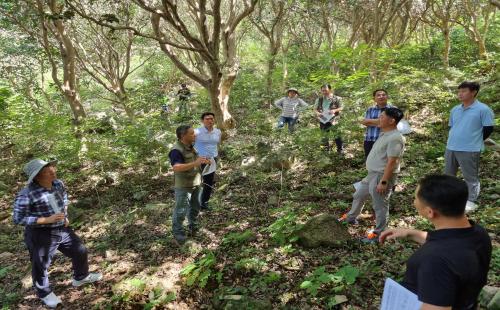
(206, 144)
(471, 122)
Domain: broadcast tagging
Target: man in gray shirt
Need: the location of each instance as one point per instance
(383, 165)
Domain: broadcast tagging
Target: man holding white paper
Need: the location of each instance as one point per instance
(451, 267)
(206, 144)
(328, 108)
(383, 166)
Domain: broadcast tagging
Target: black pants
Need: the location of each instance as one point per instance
(368, 147)
(208, 184)
(42, 243)
(326, 141)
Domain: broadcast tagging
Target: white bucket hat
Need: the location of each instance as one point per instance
(34, 166)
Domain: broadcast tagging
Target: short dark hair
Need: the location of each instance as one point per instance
(206, 114)
(394, 113)
(445, 193)
(379, 89)
(182, 130)
(472, 86)
(326, 86)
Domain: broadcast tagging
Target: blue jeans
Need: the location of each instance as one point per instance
(287, 120)
(187, 202)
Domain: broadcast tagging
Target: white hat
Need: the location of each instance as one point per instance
(34, 166)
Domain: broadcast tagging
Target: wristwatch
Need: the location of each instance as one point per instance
(383, 182)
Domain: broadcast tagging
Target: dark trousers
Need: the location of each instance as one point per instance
(368, 147)
(325, 128)
(42, 243)
(208, 184)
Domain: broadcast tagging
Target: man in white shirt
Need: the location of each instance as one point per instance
(206, 144)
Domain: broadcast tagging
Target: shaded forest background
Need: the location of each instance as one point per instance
(84, 82)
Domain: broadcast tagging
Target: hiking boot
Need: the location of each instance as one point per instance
(204, 207)
(371, 237)
(51, 300)
(344, 219)
(470, 206)
(92, 277)
(179, 241)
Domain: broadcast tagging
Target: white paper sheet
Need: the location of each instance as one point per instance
(325, 117)
(397, 297)
(357, 185)
(210, 168)
(404, 127)
(53, 203)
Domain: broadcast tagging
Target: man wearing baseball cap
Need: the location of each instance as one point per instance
(42, 208)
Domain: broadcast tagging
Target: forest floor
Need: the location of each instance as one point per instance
(245, 255)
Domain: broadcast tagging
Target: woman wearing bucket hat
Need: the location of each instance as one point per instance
(290, 107)
(41, 207)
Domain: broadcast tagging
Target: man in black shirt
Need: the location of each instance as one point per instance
(451, 267)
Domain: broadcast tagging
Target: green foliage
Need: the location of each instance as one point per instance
(238, 239)
(199, 272)
(344, 276)
(283, 230)
(158, 297)
(4, 271)
(252, 263)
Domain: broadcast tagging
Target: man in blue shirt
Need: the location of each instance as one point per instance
(41, 207)
(471, 122)
(206, 144)
(371, 120)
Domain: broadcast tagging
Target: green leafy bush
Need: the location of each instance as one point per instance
(199, 272)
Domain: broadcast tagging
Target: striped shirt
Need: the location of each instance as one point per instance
(34, 201)
(372, 132)
(290, 107)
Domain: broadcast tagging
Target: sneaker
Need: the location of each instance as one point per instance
(51, 300)
(470, 206)
(343, 219)
(371, 237)
(92, 277)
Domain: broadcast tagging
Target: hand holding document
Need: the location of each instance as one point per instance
(325, 117)
(397, 297)
(53, 204)
(209, 168)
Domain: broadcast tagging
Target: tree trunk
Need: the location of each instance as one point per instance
(482, 49)
(219, 98)
(447, 44)
(68, 56)
(123, 99)
(271, 65)
(76, 106)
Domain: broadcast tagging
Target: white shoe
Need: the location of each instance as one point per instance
(470, 206)
(51, 300)
(92, 277)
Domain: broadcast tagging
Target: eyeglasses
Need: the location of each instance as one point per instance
(208, 119)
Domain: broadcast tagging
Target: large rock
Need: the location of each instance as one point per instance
(323, 230)
(490, 297)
